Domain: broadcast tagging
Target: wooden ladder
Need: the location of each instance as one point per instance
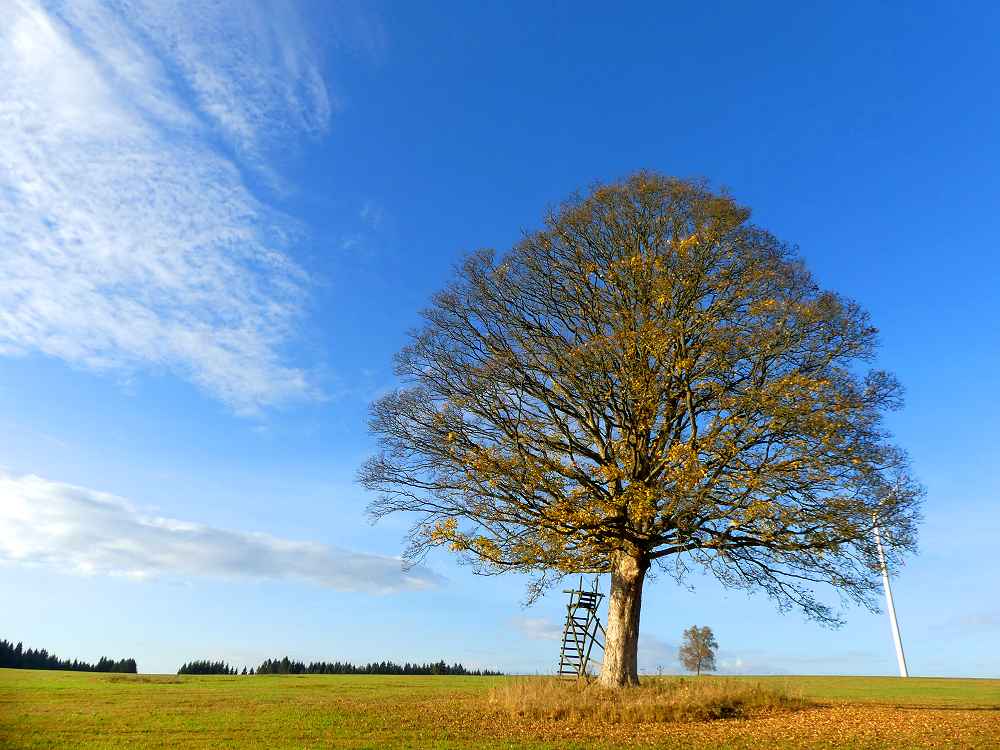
(580, 631)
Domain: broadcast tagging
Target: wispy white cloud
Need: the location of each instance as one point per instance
(537, 628)
(760, 662)
(372, 214)
(250, 66)
(79, 530)
(370, 233)
(130, 237)
(656, 655)
(970, 622)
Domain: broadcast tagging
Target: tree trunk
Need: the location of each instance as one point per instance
(621, 646)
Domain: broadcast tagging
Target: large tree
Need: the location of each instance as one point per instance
(697, 650)
(649, 379)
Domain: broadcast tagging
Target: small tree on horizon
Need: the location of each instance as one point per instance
(697, 651)
(648, 380)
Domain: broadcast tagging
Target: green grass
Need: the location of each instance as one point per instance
(929, 692)
(66, 709)
(81, 710)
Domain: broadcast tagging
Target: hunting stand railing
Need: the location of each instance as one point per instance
(580, 632)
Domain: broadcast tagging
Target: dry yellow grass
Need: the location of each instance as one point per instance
(656, 700)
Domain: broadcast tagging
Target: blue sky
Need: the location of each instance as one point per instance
(217, 224)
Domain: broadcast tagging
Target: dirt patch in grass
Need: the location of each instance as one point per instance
(655, 700)
(143, 679)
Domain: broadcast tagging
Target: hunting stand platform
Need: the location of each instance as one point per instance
(580, 631)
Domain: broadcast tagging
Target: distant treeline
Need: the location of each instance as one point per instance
(17, 657)
(287, 666)
(208, 667)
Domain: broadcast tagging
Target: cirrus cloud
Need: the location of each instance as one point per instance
(79, 530)
(538, 628)
(132, 239)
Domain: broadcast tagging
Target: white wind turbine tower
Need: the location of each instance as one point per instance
(900, 656)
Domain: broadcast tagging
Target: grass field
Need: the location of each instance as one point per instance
(80, 710)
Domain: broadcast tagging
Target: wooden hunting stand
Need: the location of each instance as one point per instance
(580, 630)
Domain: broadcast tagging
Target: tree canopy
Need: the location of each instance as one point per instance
(697, 649)
(649, 379)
